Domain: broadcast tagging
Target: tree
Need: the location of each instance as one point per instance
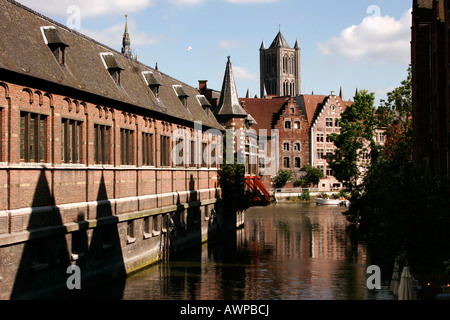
(355, 140)
(395, 115)
(313, 175)
(282, 177)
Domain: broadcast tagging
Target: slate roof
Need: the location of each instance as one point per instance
(279, 41)
(229, 101)
(25, 52)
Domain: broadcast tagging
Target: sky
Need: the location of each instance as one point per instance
(352, 44)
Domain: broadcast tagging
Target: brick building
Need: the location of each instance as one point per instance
(87, 178)
(430, 58)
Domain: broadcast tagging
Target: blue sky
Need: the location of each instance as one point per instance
(349, 44)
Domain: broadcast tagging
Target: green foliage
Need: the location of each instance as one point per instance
(282, 177)
(313, 175)
(305, 196)
(300, 182)
(231, 181)
(356, 138)
(402, 206)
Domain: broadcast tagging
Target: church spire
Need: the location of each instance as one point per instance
(126, 42)
(229, 102)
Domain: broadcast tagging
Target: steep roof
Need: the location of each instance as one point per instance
(264, 111)
(279, 41)
(312, 105)
(26, 53)
(229, 101)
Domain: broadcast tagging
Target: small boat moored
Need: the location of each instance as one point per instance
(332, 202)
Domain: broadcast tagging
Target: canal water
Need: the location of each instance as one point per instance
(285, 251)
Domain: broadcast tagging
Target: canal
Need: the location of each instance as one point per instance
(285, 251)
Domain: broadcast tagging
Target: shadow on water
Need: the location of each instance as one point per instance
(42, 271)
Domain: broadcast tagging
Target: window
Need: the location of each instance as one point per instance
(102, 144)
(286, 146)
(33, 137)
(181, 93)
(329, 152)
(297, 125)
(71, 141)
(329, 171)
(262, 163)
(320, 137)
(298, 162)
(329, 122)
(165, 151)
(292, 110)
(287, 124)
(192, 154)
(126, 147)
(319, 153)
(337, 122)
(297, 146)
(328, 138)
(152, 82)
(204, 154)
(112, 66)
(147, 149)
(55, 43)
(287, 162)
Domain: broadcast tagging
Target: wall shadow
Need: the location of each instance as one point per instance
(104, 260)
(43, 268)
(44, 260)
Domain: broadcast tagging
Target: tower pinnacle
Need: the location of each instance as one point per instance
(126, 42)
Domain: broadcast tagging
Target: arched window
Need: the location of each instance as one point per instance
(287, 124)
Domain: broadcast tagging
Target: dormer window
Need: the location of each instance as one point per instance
(55, 42)
(203, 102)
(152, 82)
(112, 66)
(181, 93)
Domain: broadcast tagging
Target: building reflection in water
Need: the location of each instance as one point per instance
(284, 252)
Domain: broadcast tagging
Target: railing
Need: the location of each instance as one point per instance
(260, 192)
(292, 190)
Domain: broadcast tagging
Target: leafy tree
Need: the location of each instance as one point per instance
(282, 177)
(395, 115)
(403, 206)
(313, 175)
(355, 140)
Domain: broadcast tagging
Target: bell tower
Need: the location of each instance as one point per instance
(280, 73)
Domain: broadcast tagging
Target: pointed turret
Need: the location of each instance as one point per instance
(263, 46)
(248, 95)
(126, 42)
(229, 101)
(280, 42)
(296, 46)
(341, 94)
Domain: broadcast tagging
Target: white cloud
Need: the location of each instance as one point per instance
(245, 74)
(112, 36)
(230, 44)
(180, 3)
(382, 39)
(88, 8)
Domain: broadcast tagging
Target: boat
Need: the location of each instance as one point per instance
(332, 202)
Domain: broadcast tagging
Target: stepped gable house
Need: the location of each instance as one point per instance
(85, 158)
(303, 121)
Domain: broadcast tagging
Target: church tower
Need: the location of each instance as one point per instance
(280, 68)
(126, 42)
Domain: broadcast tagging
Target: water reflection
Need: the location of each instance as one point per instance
(285, 251)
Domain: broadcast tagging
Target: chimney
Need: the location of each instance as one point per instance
(202, 85)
